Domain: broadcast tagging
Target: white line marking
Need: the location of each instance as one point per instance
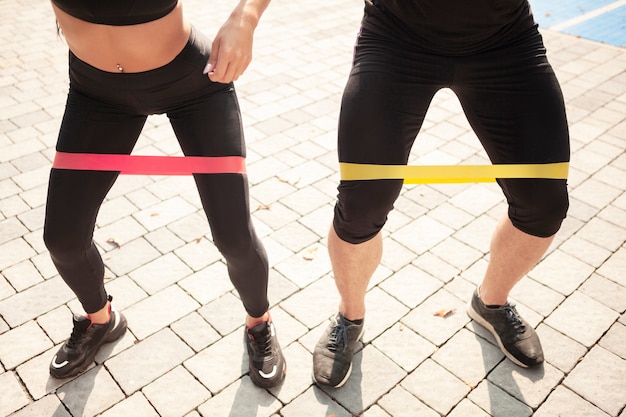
(587, 16)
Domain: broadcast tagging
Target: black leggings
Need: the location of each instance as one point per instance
(105, 113)
(510, 96)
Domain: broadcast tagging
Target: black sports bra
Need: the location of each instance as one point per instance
(116, 12)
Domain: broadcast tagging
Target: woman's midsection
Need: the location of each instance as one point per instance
(126, 49)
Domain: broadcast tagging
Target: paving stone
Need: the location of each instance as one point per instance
(118, 233)
(14, 252)
(148, 360)
(477, 234)
(395, 255)
(12, 396)
(564, 402)
(384, 312)
(613, 340)
(164, 240)
(316, 403)
(411, 285)
(208, 284)
(400, 403)
(242, 398)
(199, 254)
(225, 314)
(21, 343)
(176, 393)
(220, 364)
(529, 385)
(422, 234)
(195, 331)
(596, 377)
(577, 309)
(367, 365)
(324, 292)
(47, 406)
(36, 377)
(437, 329)
(22, 275)
(403, 346)
(468, 357)
(558, 349)
(136, 405)
(561, 272)
(298, 377)
(603, 234)
(613, 268)
(161, 272)
(536, 296)
(130, 256)
(79, 396)
(375, 411)
(466, 408)
(605, 291)
(302, 271)
(497, 402)
(435, 386)
(158, 311)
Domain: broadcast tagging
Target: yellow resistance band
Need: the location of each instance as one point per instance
(412, 174)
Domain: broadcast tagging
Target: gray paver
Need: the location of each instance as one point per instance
(435, 386)
(596, 379)
(185, 319)
(90, 393)
(176, 393)
(564, 402)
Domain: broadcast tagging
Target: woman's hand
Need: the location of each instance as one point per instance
(231, 51)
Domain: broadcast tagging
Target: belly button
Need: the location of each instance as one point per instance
(119, 68)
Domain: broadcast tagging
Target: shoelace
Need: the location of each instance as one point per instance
(263, 345)
(513, 317)
(77, 334)
(338, 334)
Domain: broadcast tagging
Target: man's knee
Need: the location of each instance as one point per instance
(362, 208)
(542, 210)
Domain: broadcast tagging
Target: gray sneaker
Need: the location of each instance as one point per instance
(332, 357)
(516, 338)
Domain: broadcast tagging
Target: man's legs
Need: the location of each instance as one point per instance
(513, 253)
(353, 266)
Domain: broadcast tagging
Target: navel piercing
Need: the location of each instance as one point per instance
(119, 68)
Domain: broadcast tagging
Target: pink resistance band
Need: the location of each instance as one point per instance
(150, 165)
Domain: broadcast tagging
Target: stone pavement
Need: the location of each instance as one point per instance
(184, 356)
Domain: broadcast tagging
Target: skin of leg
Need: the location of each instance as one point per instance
(353, 266)
(101, 316)
(513, 254)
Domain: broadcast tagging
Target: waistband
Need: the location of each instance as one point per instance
(196, 52)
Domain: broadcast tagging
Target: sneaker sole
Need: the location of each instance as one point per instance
(345, 378)
(480, 320)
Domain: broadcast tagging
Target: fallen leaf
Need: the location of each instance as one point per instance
(264, 207)
(309, 255)
(198, 239)
(154, 214)
(445, 312)
(112, 241)
(292, 181)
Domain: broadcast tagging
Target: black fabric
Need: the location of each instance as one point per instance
(449, 27)
(511, 98)
(116, 12)
(105, 113)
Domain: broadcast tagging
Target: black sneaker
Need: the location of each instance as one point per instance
(516, 338)
(266, 361)
(332, 357)
(79, 351)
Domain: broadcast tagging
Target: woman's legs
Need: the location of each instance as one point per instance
(74, 197)
(212, 127)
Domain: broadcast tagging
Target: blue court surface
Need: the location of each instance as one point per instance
(597, 20)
